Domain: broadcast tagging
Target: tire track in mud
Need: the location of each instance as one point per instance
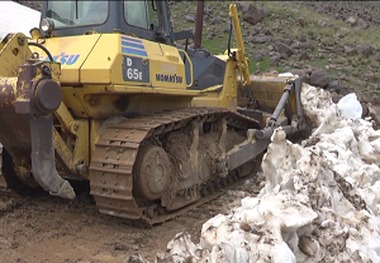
(42, 228)
(9, 201)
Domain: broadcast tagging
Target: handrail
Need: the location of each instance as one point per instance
(191, 68)
(241, 57)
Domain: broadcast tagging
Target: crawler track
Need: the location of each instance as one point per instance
(112, 165)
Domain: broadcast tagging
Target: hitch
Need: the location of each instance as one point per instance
(292, 86)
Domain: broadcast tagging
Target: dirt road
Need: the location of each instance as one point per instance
(42, 228)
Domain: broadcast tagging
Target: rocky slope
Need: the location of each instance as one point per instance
(335, 45)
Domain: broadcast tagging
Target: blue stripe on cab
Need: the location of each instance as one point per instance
(124, 38)
(131, 44)
(131, 51)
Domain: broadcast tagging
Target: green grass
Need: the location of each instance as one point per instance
(216, 46)
(283, 23)
(264, 66)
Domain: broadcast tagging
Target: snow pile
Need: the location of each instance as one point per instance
(320, 202)
(17, 18)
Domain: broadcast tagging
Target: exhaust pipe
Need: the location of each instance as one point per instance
(199, 24)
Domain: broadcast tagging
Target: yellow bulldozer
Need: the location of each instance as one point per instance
(103, 92)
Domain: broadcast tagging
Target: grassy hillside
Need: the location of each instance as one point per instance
(342, 38)
(336, 37)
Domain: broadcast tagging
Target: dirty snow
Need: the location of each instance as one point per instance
(320, 201)
(17, 18)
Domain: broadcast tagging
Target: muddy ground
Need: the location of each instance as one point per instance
(41, 228)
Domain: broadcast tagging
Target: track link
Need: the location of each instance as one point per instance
(111, 169)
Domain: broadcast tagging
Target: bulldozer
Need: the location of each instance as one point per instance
(103, 92)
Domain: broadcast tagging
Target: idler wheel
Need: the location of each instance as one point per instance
(152, 171)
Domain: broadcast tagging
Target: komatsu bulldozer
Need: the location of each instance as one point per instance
(103, 92)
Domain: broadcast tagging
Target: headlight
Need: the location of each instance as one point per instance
(47, 25)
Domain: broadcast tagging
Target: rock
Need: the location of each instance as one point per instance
(303, 74)
(333, 86)
(287, 41)
(284, 49)
(301, 21)
(377, 57)
(374, 112)
(365, 108)
(135, 258)
(275, 58)
(324, 23)
(258, 57)
(190, 18)
(36, 5)
(267, 32)
(350, 50)
(296, 44)
(252, 14)
(308, 246)
(272, 72)
(369, 75)
(342, 76)
(335, 97)
(364, 25)
(319, 78)
(352, 21)
(343, 31)
(214, 22)
(301, 37)
(365, 50)
(321, 55)
(303, 55)
(309, 46)
(260, 39)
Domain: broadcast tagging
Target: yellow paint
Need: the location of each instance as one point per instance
(225, 96)
(71, 52)
(95, 88)
(12, 55)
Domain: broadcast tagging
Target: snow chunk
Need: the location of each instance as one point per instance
(350, 107)
(320, 201)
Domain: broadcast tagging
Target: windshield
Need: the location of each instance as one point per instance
(74, 13)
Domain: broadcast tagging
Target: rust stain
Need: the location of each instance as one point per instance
(7, 93)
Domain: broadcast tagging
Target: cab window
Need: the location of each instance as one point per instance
(141, 14)
(77, 13)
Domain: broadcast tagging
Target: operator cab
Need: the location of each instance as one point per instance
(147, 19)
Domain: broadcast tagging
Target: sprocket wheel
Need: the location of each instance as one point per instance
(152, 171)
